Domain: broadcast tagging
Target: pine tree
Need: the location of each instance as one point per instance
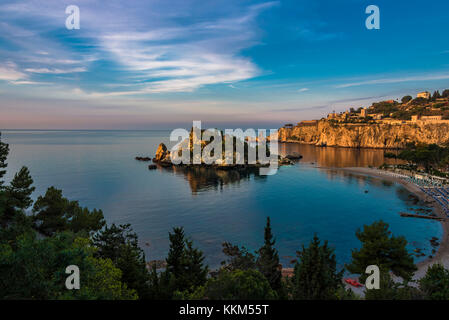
(268, 260)
(20, 189)
(4, 151)
(436, 95)
(315, 274)
(55, 213)
(195, 269)
(185, 265)
(381, 248)
(120, 244)
(176, 255)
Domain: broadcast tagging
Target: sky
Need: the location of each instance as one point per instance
(144, 64)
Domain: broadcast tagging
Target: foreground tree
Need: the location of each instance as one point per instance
(268, 260)
(237, 258)
(435, 284)
(35, 269)
(54, 213)
(20, 189)
(17, 196)
(185, 264)
(315, 274)
(120, 244)
(381, 248)
(238, 285)
(4, 151)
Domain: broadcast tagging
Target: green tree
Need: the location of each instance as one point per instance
(18, 196)
(435, 284)
(185, 265)
(238, 285)
(445, 93)
(406, 99)
(436, 95)
(268, 260)
(20, 189)
(120, 244)
(35, 269)
(4, 151)
(54, 213)
(238, 258)
(315, 274)
(381, 248)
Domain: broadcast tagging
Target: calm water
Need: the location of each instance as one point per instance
(98, 169)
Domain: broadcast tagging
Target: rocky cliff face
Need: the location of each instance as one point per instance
(366, 135)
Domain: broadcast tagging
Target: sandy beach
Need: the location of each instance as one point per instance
(442, 255)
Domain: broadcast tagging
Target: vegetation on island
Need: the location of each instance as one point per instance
(39, 239)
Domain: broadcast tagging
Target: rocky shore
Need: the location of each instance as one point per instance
(379, 135)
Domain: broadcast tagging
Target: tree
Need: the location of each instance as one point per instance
(195, 268)
(4, 151)
(315, 274)
(445, 93)
(238, 258)
(120, 244)
(436, 95)
(238, 285)
(268, 260)
(435, 284)
(406, 99)
(381, 248)
(35, 269)
(54, 213)
(185, 265)
(20, 190)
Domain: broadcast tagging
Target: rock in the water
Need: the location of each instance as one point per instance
(152, 167)
(294, 156)
(143, 158)
(161, 153)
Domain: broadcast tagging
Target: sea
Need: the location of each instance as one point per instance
(312, 196)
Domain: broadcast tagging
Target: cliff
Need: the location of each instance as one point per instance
(379, 135)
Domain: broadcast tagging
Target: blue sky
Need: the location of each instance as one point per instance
(161, 64)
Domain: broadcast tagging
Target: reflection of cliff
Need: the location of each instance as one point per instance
(366, 135)
(203, 178)
(335, 157)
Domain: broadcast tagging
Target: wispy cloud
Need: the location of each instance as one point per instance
(303, 89)
(159, 55)
(426, 77)
(186, 58)
(9, 72)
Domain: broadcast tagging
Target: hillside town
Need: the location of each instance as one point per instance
(424, 108)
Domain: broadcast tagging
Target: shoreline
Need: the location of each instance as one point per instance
(442, 254)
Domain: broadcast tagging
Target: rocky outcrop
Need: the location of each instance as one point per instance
(379, 135)
(161, 153)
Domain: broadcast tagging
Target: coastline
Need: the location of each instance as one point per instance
(442, 254)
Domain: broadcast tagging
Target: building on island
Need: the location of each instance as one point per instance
(363, 113)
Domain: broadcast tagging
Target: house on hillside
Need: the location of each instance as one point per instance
(424, 94)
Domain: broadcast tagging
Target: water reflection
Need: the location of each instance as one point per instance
(336, 157)
(203, 179)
